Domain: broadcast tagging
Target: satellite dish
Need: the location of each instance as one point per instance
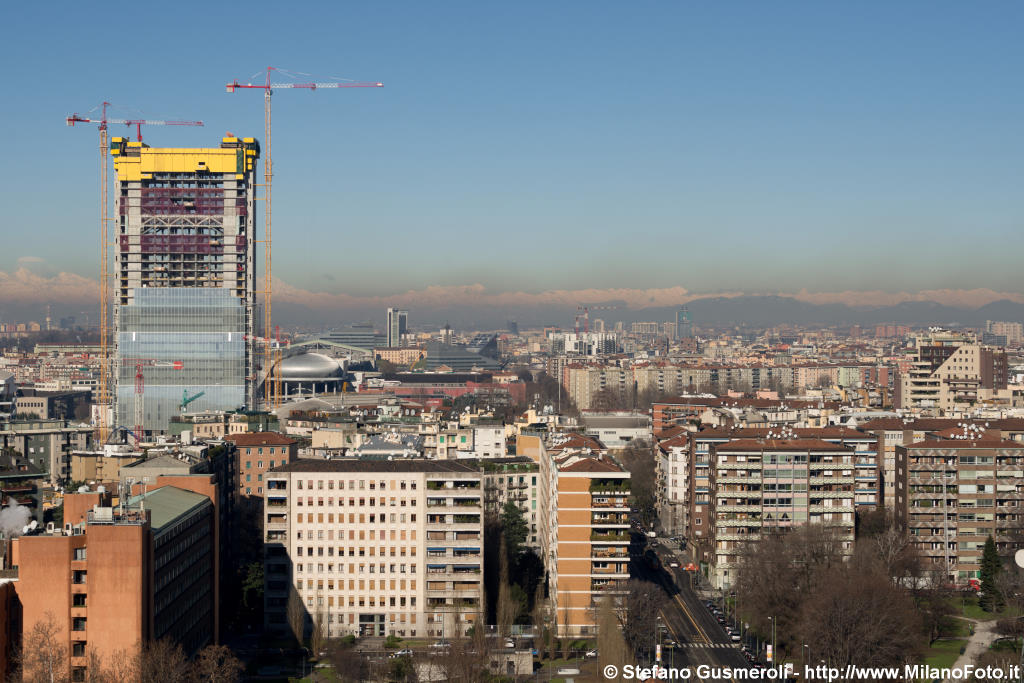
(1018, 557)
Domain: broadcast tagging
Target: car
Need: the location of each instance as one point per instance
(405, 652)
(440, 645)
(510, 644)
(735, 637)
(590, 654)
(674, 564)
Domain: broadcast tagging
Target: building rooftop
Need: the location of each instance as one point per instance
(802, 445)
(383, 466)
(167, 504)
(260, 439)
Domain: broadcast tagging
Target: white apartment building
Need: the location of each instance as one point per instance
(672, 474)
(374, 547)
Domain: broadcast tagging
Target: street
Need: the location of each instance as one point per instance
(699, 637)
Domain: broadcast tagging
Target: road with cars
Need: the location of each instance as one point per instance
(692, 634)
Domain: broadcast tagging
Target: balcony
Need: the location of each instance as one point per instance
(609, 488)
(610, 537)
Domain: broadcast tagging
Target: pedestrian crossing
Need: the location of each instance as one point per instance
(710, 645)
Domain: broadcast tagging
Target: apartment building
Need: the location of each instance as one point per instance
(672, 476)
(954, 492)
(584, 526)
(512, 479)
(47, 444)
(769, 485)
(258, 453)
(124, 576)
(948, 373)
(374, 548)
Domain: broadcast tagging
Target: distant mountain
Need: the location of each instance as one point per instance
(757, 311)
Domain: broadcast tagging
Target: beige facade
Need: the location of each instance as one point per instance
(374, 547)
(766, 485)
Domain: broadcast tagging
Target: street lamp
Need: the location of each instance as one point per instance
(775, 652)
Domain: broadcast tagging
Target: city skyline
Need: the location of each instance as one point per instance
(712, 149)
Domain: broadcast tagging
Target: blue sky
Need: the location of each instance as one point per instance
(727, 146)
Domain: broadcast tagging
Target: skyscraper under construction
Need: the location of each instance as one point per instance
(184, 295)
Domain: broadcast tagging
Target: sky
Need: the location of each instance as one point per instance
(644, 151)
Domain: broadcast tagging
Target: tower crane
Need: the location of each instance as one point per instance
(105, 244)
(272, 386)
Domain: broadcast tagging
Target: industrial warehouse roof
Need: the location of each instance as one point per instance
(168, 504)
(383, 466)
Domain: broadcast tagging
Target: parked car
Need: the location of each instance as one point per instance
(591, 654)
(510, 644)
(405, 652)
(735, 637)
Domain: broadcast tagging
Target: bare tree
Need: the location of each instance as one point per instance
(216, 664)
(855, 615)
(611, 646)
(641, 612)
(777, 572)
(318, 636)
(296, 615)
(349, 665)
(508, 609)
(162, 661)
(44, 654)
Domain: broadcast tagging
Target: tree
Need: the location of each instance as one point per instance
(638, 459)
(611, 646)
(216, 664)
(507, 609)
(991, 599)
(642, 603)
(776, 573)
(515, 530)
(44, 652)
(162, 661)
(318, 636)
(855, 615)
(296, 615)
(349, 665)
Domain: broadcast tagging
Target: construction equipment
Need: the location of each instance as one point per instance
(140, 387)
(104, 398)
(272, 384)
(186, 399)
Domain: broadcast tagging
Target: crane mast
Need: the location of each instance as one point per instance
(272, 379)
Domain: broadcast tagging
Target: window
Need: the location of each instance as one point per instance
(78, 648)
(78, 624)
(78, 600)
(79, 553)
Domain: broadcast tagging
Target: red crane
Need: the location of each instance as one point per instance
(138, 123)
(272, 383)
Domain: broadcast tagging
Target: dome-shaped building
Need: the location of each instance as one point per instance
(309, 374)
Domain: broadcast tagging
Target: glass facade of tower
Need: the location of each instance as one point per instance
(187, 339)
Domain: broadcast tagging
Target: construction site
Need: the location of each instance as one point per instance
(185, 321)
